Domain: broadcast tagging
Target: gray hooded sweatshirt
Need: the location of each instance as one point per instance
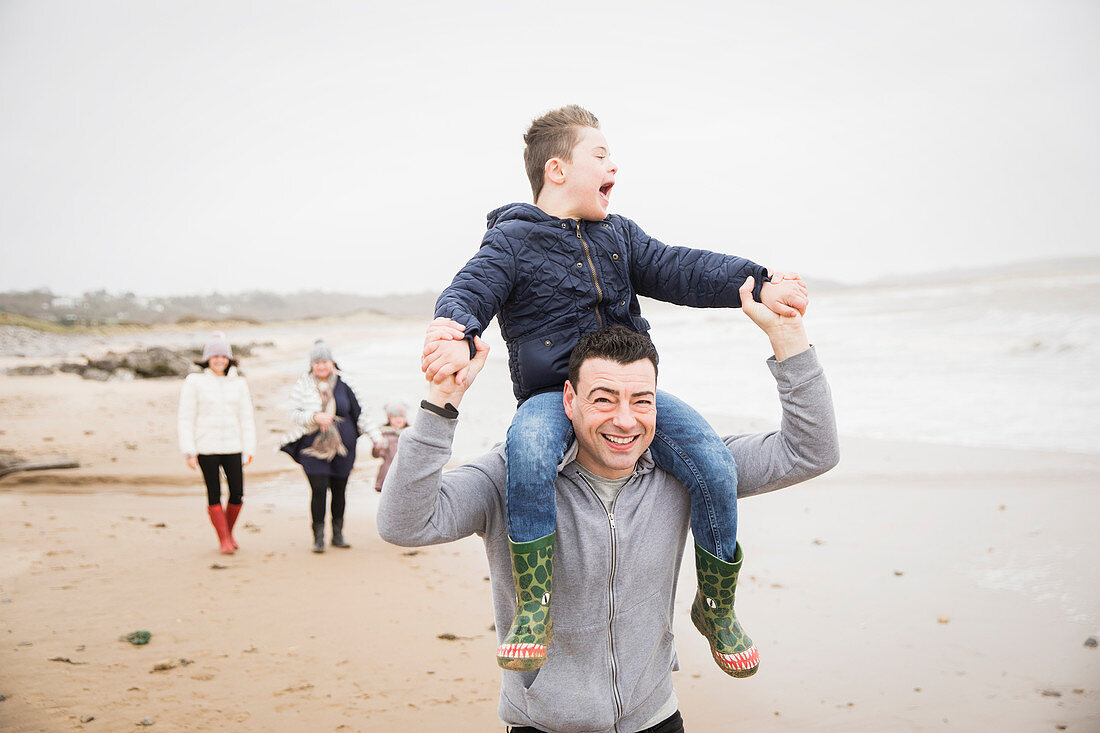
(610, 665)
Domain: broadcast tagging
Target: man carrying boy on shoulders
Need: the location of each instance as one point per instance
(622, 522)
(550, 272)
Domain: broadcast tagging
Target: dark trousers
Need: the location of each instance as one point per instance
(320, 486)
(230, 463)
(672, 724)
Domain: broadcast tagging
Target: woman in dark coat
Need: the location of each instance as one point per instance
(328, 421)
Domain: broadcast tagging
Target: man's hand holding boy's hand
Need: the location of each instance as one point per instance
(446, 352)
(447, 389)
(786, 332)
(785, 294)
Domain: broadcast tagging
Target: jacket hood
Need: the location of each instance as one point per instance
(519, 212)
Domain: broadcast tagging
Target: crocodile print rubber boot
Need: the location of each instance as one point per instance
(532, 630)
(712, 613)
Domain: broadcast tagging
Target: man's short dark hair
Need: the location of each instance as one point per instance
(614, 343)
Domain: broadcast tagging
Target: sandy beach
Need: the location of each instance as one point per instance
(915, 587)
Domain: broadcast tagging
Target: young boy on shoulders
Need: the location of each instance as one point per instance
(552, 272)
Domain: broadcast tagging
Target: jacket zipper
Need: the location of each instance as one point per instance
(611, 603)
(595, 280)
(221, 395)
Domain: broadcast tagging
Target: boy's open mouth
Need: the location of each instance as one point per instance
(605, 190)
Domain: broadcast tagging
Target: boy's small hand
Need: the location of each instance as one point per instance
(785, 294)
(443, 328)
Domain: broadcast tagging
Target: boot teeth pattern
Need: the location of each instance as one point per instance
(521, 651)
(741, 661)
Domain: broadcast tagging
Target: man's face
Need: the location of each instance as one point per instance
(614, 413)
(589, 176)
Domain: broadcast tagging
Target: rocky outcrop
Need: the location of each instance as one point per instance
(145, 363)
(33, 370)
(141, 363)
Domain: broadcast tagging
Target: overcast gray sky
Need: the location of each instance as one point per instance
(170, 147)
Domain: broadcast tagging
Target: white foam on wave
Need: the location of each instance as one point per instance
(1009, 363)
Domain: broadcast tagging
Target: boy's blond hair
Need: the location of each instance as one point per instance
(553, 136)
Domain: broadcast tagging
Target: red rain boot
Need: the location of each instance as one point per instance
(217, 518)
(231, 512)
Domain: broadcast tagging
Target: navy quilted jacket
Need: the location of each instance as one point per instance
(550, 281)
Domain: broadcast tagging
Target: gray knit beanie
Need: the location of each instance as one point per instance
(217, 346)
(395, 409)
(320, 352)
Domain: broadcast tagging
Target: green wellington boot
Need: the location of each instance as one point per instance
(712, 613)
(532, 629)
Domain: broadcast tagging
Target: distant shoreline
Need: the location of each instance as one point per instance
(100, 311)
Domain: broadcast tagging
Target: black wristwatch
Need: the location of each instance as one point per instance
(448, 410)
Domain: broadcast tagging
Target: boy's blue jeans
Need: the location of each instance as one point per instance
(684, 444)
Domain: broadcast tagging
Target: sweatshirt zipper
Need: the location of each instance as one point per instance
(595, 280)
(611, 602)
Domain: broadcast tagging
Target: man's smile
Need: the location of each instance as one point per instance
(619, 442)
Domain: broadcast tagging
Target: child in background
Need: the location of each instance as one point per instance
(386, 448)
(551, 272)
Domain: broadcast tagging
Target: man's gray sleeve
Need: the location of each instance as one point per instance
(422, 506)
(806, 445)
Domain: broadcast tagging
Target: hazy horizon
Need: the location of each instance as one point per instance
(1027, 267)
(163, 148)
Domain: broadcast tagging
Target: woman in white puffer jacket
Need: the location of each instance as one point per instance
(217, 431)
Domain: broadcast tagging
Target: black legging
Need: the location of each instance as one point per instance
(672, 724)
(234, 476)
(320, 484)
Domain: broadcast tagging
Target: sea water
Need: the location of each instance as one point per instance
(1011, 362)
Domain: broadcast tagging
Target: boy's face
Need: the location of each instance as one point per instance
(589, 176)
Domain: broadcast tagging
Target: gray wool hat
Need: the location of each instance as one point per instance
(217, 346)
(320, 352)
(396, 408)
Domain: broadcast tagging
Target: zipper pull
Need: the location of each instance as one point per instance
(611, 517)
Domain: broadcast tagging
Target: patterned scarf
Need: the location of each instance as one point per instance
(328, 444)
